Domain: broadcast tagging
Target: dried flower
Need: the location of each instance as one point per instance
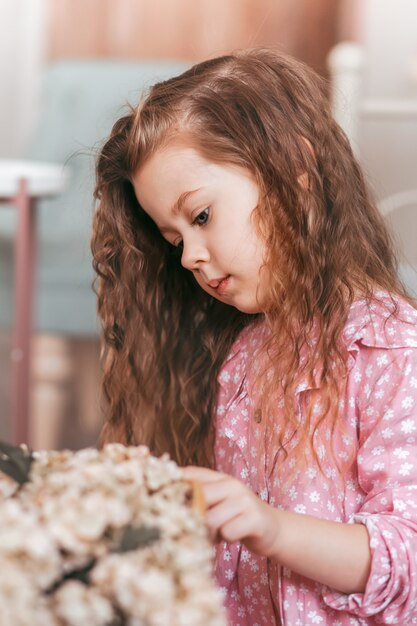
(105, 538)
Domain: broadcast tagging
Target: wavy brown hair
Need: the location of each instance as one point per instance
(164, 337)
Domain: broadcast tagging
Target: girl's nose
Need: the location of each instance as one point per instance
(194, 253)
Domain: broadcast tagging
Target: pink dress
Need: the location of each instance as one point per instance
(380, 417)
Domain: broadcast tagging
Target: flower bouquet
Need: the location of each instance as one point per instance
(102, 538)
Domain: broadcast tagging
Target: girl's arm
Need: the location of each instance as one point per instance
(332, 553)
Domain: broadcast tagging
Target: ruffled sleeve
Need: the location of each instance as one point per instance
(383, 385)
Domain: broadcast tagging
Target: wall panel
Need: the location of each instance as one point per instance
(190, 29)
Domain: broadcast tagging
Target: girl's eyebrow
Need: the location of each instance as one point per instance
(176, 209)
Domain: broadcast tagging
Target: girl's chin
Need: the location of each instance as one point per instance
(250, 308)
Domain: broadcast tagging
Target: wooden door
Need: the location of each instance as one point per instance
(191, 29)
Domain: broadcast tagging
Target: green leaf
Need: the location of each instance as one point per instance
(81, 574)
(136, 537)
(15, 461)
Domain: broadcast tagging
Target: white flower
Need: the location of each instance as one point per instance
(383, 379)
(75, 604)
(330, 506)
(73, 513)
(405, 469)
(388, 415)
(408, 426)
(315, 617)
(263, 494)
(245, 555)
(300, 508)
(378, 450)
(408, 402)
(387, 433)
(229, 573)
(401, 453)
(377, 467)
(293, 493)
(225, 376)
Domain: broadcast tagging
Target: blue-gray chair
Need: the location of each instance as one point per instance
(80, 101)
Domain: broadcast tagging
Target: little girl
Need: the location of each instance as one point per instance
(255, 329)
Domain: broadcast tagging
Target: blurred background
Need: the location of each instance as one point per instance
(67, 68)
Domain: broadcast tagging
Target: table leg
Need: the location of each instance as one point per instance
(20, 355)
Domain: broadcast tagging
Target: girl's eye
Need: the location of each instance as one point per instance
(202, 218)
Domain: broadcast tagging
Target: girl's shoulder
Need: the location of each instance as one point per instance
(383, 321)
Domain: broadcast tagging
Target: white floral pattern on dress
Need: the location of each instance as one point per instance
(381, 490)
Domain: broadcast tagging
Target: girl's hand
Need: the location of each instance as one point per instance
(234, 512)
(332, 553)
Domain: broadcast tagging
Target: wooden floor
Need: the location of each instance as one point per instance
(65, 392)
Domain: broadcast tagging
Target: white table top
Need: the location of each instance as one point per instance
(43, 179)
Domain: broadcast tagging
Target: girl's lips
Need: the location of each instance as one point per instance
(223, 285)
(219, 284)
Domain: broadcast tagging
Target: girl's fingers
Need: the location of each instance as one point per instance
(225, 489)
(223, 513)
(203, 474)
(236, 529)
(233, 512)
(217, 487)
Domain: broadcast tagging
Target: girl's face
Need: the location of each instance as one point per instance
(206, 209)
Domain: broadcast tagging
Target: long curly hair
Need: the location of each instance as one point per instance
(164, 338)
